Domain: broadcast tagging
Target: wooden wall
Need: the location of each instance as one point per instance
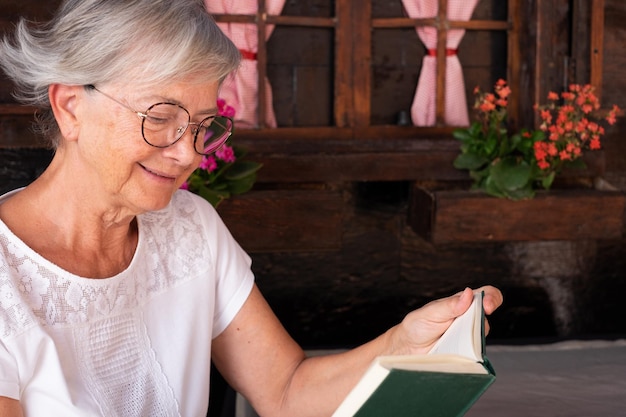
(328, 232)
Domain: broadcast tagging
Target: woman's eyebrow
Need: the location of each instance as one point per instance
(212, 111)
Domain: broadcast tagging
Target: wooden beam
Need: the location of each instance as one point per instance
(407, 22)
(304, 21)
(514, 63)
(362, 62)
(597, 45)
(343, 97)
(261, 63)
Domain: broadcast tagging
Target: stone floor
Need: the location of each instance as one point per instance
(573, 379)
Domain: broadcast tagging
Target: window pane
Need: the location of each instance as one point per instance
(300, 70)
(397, 56)
(396, 61)
(491, 10)
(309, 8)
(483, 55)
(387, 8)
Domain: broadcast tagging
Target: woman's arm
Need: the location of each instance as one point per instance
(259, 359)
(10, 407)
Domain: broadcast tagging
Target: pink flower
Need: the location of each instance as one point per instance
(184, 186)
(224, 109)
(226, 154)
(208, 163)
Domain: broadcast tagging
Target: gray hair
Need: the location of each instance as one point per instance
(100, 41)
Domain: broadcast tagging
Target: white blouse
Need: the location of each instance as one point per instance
(135, 344)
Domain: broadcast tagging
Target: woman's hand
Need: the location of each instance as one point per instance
(421, 328)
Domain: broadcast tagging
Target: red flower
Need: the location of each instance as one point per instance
(569, 125)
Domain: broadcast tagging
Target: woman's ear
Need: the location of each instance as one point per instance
(64, 100)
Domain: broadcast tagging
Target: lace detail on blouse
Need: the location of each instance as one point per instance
(32, 289)
(121, 371)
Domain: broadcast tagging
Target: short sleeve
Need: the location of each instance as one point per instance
(232, 268)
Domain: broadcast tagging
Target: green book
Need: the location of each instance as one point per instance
(444, 383)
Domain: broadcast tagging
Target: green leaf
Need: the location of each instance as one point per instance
(506, 147)
(469, 161)
(546, 182)
(242, 185)
(538, 135)
(462, 134)
(492, 188)
(515, 139)
(241, 169)
(521, 194)
(492, 143)
(522, 143)
(510, 174)
(212, 196)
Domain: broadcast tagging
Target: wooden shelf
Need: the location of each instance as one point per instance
(455, 216)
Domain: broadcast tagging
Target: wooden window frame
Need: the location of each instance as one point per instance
(353, 149)
(353, 57)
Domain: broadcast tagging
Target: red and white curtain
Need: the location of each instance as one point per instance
(241, 89)
(423, 109)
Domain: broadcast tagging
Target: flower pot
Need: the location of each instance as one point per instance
(453, 216)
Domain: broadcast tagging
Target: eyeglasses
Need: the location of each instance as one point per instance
(163, 124)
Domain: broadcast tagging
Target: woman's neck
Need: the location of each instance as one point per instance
(69, 230)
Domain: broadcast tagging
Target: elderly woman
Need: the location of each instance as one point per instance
(117, 288)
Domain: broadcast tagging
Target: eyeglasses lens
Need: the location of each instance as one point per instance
(164, 124)
(212, 133)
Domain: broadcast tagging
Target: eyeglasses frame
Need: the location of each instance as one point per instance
(144, 115)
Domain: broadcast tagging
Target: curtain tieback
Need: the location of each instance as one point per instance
(449, 52)
(246, 54)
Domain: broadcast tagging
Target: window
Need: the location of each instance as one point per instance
(355, 64)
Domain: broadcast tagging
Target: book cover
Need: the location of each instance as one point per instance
(444, 383)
